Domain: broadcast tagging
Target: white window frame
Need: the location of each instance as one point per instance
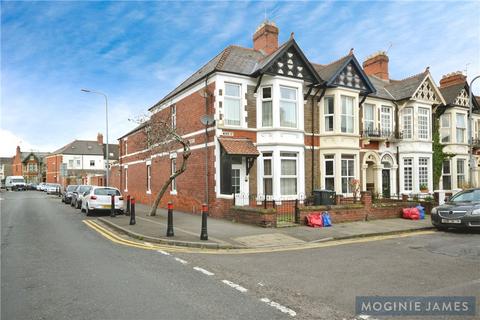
(294, 101)
(327, 115)
(229, 122)
(268, 156)
(408, 179)
(423, 123)
(447, 174)
(284, 157)
(173, 167)
(460, 138)
(366, 121)
(345, 116)
(173, 114)
(149, 178)
(422, 171)
(407, 119)
(349, 176)
(386, 118)
(271, 107)
(126, 179)
(329, 158)
(460, 173)
(445, 131)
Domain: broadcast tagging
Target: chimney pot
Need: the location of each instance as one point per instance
(377, 65)
(452, 78)
(265, 38)
(100, 139)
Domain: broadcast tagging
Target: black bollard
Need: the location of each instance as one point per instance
(170, 220)
(127, 211)
(112, 210)
(132, 211)
(204, 234)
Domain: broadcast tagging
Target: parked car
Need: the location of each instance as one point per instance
(100, 198)
(41, 186)
(78, 194)
(53, 188)
(15, 183)
(460, 211)
(68, 192)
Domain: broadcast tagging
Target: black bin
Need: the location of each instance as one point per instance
(323, 197)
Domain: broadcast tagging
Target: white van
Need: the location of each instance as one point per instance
(15, 183)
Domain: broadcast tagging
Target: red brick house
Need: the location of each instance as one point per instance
(30, 165)
(285, 126)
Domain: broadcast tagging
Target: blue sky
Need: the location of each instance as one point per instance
(136, 52)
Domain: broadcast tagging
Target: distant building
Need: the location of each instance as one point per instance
(30, 165)
(83, 162)
(5, 169)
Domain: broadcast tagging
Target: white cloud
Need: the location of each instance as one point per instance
(9, 142)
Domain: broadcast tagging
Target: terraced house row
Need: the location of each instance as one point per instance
(285, 126)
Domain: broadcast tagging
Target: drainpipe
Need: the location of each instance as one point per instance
(397, 135)
(206, 141)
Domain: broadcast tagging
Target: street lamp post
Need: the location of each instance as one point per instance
(106, 122)
(470, 133)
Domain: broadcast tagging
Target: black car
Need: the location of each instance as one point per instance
(68, 192)
(460, 211)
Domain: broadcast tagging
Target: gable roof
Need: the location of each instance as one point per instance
(39, 155)
(87, 147)
(380, 87)
(450, 93)
(405, 88)
(331, 72)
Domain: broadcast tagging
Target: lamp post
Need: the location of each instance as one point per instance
(470, 133)
(106, 121)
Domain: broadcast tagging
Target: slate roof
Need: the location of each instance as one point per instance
(39, 155)
(140, 126)
(87, 147)
(237, 146)
(403, 89)
(327, 71)
(450, 93)
(113, 150)
(380, 86)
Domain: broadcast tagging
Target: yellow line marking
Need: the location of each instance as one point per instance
(168, 248)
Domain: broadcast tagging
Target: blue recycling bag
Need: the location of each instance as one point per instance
(327, 222)
(421, 210)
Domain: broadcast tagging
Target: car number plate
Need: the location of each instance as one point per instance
(107, 206)
(451, 221)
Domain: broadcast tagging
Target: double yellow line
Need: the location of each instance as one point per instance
(170, 248)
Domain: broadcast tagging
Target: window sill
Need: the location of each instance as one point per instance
(149, 192)
(173, 193)
(126, 190)
(224, 196)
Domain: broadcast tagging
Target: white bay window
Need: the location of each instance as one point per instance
(267, 111)
(232, 104)
(288, 173)
(445, 127)
(347, 116)
(288, 107)
(348, 172)
(423, 123)
(407, 123)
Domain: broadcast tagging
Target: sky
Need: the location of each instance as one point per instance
(138, 51)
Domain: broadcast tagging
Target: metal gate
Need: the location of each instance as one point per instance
(288, 213)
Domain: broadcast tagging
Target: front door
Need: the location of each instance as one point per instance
(386, 183)
(239, 184)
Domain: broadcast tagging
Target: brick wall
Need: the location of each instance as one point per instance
(260, 217)
(308, 171)
(53, 168)
(251, 107)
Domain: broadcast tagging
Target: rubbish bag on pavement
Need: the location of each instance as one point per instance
(326, 220)
(421, 211)
(315, 220)
(411, 213)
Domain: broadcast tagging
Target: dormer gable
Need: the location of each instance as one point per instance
(428, 91)
(352, 76)
(289, 61)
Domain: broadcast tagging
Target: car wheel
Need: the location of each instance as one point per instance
(87, 212)
(78, 205)
(71, 203)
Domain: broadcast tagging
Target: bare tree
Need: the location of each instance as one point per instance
(161, 136)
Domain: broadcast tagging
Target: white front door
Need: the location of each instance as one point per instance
(240, 184)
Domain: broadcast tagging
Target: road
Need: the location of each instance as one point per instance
(54, 266)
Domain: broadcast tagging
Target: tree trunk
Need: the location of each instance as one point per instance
(159, 196)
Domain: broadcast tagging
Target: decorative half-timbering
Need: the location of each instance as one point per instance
(427, 92)
(291, 62)
(462, 99)
(351, 77)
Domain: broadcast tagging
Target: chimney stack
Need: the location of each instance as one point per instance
(100, 139)
(265, 38)
(453, 78)
(377, 65)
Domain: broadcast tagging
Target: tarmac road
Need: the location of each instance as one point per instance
(55, 267)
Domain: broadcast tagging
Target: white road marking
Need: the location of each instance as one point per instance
(279, 307)
(181, 261)
(208, 273)
(364, 316)
(235, 286)
(163, 252)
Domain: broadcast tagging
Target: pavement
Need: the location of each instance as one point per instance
(224, 234)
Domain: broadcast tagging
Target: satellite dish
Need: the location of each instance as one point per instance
(207, 120)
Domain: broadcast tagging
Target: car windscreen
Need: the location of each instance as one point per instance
(466, 196)
(106, 192)
(83, 189)
(18, 180)
(71, 188)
